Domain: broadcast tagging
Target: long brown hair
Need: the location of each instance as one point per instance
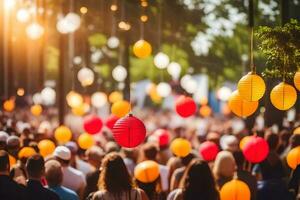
(114, 176)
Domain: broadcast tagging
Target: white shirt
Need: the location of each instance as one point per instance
(83, 166)
(73, 178)
(164, 175)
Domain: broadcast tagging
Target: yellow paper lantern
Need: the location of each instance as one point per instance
(85, 141)
(142, 49)
(241, 107)
(293, 157)
(36, 110)
(26, 152)
(46, 147)
(205, 111)
(251, 87)
(120, 108)
(115, 96)
(63, 134)
(283, 96)
(296, 131)
(235, 190)
(81, 110)
(155, 97)
(74, 99)
(12, 161)
(244, 141)
(297, 80)
(181, 147)
(147, 171)
(9, 105)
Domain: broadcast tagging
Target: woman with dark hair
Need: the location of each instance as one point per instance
(115, 182)
(152, 189)
(197, 183)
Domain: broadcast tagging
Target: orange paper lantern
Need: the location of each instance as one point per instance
(9, 105)
(241, 107)
(181, 147)
(63, 134)
(85, 141)
(12, 161)
(46, 147)
(283, 96)
(142, 49)
(296, 131)
(205, 111)
(251, 87)
(147, 171)
(293, 157)
(120, 108)
(115, 97)
(235, 190)
(244, 141)
(36, 110)
(297, 80)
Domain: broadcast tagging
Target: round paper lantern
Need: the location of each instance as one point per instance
(147, 171)
(9, 105)
(72, 21)
(36, 110)
(46, 147)
(244, 141)
(184, 80)
(163, 137)
(235, 190)
(241, 107)
(205, 111)
(251, 87)
(85, 141)
(163, 89)
(191, 86)
(110, 121)
(119, 73)
(79, 110)
(293, 157)
(253, 146)
(121, 108)
(297, 80)
(115, 96)
(74, 99)
(161, 60)
(174, 69)
(185, 106)
(48, 95)
(129, 131)
(224, 93)
(208, 150)
(283, 96)
(63, 134)
(12, 161)
(86, 76)
(297, 131)
(113, 42)
(99, 99)
(92, 124)
(142, 49)
(34, 31)
(180, 147)
(26, 152)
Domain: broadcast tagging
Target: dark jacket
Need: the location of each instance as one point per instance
(35, 191)
(10, 190)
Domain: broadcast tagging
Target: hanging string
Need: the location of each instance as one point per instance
(252, 66)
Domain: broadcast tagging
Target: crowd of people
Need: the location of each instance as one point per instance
(106, 171)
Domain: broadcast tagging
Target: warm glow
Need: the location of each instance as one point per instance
(9, 4)
(34, 31)
(113, 7)
(124, 26)
(20, 92)
(23, 15)
(144, 18)
(83, 10)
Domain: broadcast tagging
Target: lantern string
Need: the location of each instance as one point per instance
(253, 68)
(251, 25)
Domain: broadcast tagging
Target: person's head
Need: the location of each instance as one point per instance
(72, 146)
(63, 155)
(13, 144)
(4, 162)
(272, 140)
(114, 176)
(35, 166)
(94, 156)
(198, 181)
(3, 139)
(229, 143)
(295, 140)
(111, 147)
(187, 159)
(53, 173)
(239, 159)
(224, 165)
(149, 151)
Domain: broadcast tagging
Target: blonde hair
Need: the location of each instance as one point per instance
(224, 165)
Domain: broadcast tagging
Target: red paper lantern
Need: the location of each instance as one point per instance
(256, 149)
(208, 150)
(110, 121)
(185, 106)
(163, 137)
(92, 124)
(129, 131)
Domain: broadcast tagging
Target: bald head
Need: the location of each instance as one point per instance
(54, 174)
